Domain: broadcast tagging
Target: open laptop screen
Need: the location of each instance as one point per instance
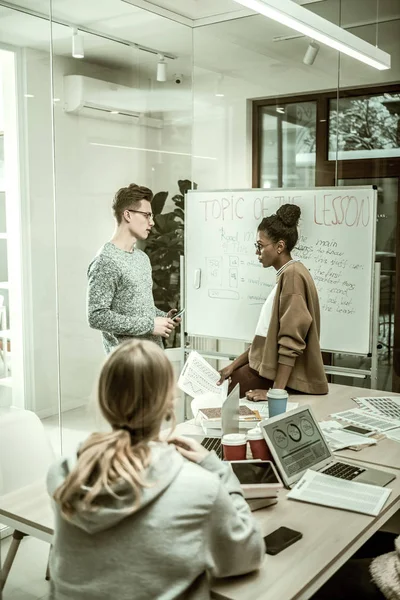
(298, 442)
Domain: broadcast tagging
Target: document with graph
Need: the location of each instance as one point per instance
(198, 377)
(387, 406)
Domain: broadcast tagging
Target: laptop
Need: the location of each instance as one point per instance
(229, 423)
(296, 442)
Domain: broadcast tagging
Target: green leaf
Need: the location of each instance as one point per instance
(158, 202)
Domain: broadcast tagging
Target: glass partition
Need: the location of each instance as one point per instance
(355, 142)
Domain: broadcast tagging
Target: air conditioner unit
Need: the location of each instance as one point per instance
(102, 99)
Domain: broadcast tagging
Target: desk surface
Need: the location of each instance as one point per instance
(385, 454)
(330, 536)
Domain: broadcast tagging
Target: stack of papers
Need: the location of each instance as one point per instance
(367, 419)
(262, 407)
(318, 488)
(338, 439)
(387, 406)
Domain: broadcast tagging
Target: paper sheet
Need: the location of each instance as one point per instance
(394, 434)
(357, 416)
(386, 406)
(198, 377)
(262, 407)
(338, 439)
(318, 488)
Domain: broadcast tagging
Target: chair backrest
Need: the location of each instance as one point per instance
(25, 451)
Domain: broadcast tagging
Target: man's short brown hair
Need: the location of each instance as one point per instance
(130, 197)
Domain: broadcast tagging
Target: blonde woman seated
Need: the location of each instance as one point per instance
(285, 351)
(138, 518)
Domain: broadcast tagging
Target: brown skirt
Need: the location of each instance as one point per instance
(248, 379)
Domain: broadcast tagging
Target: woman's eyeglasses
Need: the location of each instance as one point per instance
(259, 247)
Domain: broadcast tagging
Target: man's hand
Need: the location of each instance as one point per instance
(190, 449)
(163, 326)
(225, 373)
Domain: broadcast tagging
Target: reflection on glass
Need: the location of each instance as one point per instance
(288, 145)
(385, 254)
(364, 127)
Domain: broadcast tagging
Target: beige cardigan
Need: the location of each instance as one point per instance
(385, 571)
(293, 334)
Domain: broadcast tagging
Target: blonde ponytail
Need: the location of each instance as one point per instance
(135, 395)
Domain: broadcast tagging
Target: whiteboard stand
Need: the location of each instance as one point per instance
(375, 326)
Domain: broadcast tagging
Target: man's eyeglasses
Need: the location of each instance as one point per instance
(146, 214)
(259, 247)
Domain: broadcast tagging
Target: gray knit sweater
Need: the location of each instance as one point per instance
(120, 296)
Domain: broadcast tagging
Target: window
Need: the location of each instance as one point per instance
(364, 127)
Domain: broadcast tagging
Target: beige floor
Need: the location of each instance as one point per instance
(26, 580)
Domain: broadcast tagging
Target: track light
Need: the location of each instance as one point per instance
(161, 68)
(219, 93)
(77, 45)
(311, 53)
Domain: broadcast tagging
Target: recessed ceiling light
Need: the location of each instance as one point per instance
(114, 112)
(29, 95)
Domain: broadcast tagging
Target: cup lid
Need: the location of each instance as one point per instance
(278, 394)
(255, 434)
(234, 439)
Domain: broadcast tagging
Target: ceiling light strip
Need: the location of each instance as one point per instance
(306, 22)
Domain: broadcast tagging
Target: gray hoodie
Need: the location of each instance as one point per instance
(192, 522)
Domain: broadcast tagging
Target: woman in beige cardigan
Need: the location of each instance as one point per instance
(285, 351)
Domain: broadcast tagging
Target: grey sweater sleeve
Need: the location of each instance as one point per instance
(234, 543)
(103, 278)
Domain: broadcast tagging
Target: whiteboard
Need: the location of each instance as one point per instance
(226, 286)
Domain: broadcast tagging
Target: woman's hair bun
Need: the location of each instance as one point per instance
(289, 214)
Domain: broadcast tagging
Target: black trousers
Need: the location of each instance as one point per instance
(353, 580)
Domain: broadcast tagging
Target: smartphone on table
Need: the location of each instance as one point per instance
(280, 539)
(358, 430)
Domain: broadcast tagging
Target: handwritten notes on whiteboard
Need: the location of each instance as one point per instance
(336, 243)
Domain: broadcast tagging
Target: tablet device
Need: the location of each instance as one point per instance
(257, 478)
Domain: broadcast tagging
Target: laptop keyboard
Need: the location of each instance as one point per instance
(213, 444)
(343, 471)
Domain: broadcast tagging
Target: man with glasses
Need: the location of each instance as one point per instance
(120, 286)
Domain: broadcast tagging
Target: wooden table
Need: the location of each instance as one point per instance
(330, 536)
(385, 454)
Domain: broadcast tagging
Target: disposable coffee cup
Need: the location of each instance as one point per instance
(277, 401)
(234, 446)
(258, 445)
